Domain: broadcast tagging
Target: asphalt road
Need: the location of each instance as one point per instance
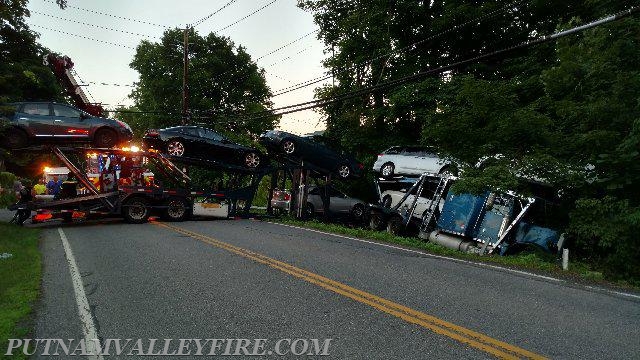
(255, 280)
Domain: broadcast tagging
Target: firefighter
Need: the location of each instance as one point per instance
(68, 189)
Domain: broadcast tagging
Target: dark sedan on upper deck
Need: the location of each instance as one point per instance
(317, 150)
(201, 143)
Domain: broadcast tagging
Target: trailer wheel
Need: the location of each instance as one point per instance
(309, 211)
(136, 210)
(177, 210)
(377, 222)
(395, 226)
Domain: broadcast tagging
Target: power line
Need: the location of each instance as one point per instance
(287, 58)
(110, 84)
(287, 45)
(409, 47)
(113, 16)
(247, 16)
(84, 37)
(92, 25)
(369, 89)
(196, 23)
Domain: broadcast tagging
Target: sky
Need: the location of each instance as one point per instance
(102, 55)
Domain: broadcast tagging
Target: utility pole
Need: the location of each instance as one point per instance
(185, 79)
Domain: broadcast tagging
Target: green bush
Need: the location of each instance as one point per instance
(7, 179)
(605, 232)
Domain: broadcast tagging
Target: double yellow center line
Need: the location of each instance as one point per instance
(471, 338)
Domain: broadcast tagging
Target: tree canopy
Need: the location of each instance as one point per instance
(22, 73)
(226, 88)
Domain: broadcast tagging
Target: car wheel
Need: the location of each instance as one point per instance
(252, 160)
(309, 211)
(175, 148)
(288, 147)
(395, 226)
(344, 171)
(136, 210)
(386, 201)
(358, 211)
(177, 210)
(15, 139)
(387, 170)
(105, 138)
(376, 222)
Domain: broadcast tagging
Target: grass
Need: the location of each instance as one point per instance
(530, 260)
(19, 282)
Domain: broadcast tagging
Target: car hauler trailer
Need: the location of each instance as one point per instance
(420, 202)
(122, 190)
(236, 196)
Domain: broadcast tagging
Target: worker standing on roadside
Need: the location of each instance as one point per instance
(53, 186)
(40, 188)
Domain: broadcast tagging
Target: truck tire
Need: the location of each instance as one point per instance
(395, 226)
(177, 209)
(377, 222)
(136, 210)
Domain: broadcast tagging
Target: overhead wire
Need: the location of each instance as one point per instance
(198, 22)
(539, 40)
(246, 17)
(409, 47)
(84, 37)
(287, 44)
(114, 16)
(93, 25)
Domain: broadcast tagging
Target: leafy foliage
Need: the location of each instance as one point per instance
(22, 74)
(225, 86)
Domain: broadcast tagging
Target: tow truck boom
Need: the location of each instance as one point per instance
(61, 67)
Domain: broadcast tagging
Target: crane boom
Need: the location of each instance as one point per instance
(61, 67)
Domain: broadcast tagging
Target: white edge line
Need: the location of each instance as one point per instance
(86, 320)
(457, 260)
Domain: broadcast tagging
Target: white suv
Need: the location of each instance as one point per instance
(409, 160)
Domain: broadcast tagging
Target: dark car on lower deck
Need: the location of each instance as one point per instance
(201, 143)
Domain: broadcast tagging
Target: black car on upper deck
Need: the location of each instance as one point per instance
(317, 150)
(33, 123)
(201, 143)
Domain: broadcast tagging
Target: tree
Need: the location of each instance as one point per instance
(227, 91)
(22, 74)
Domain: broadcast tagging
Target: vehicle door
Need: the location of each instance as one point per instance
(410, 160)
(36, 117)
(340, 203)
(427, 161)
(70, 123)
(326, 153)
(219, 146)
